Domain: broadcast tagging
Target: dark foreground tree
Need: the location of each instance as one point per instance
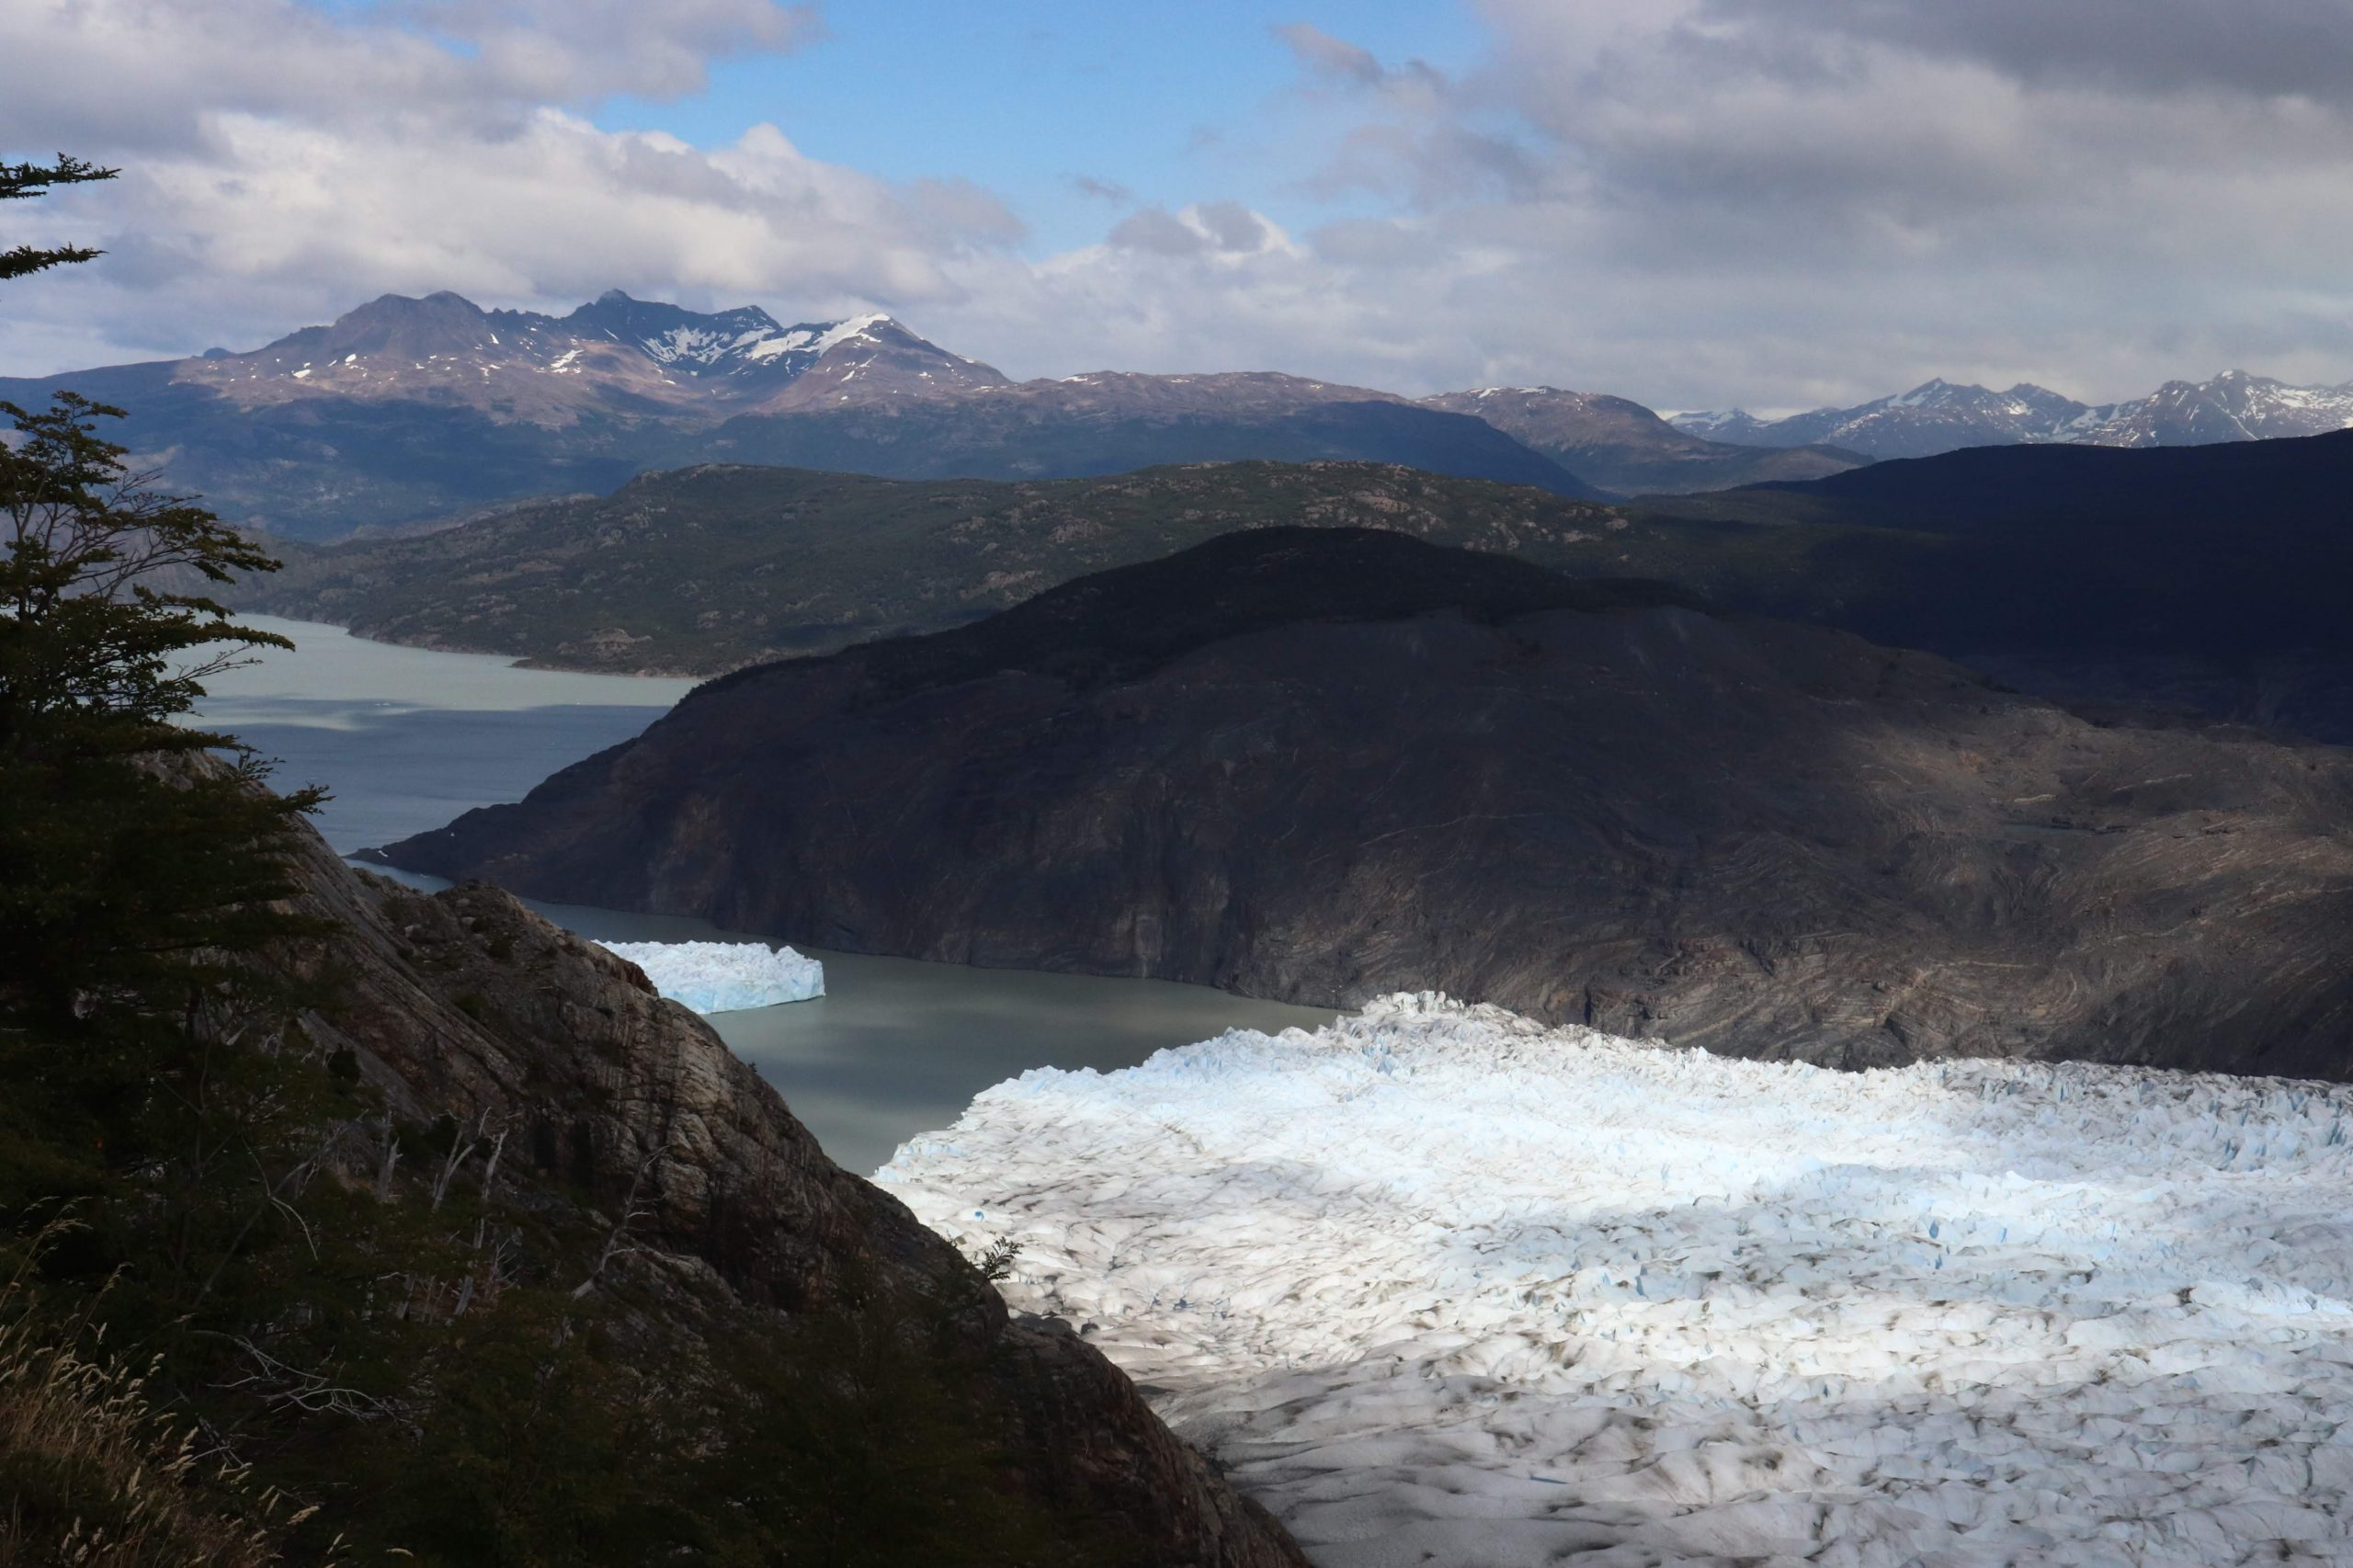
(149, 1081)
(18, 181)
(130, 877)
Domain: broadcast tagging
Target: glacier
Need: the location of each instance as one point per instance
(1439, 1284)
(722, 977)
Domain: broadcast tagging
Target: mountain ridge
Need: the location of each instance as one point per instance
(2205, 578)
(1938, 417)
(615, 353)
(700, 570)
(1618, 443)
(408, 412)
(1326, 763)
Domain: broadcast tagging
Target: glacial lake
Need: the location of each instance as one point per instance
(407, 738)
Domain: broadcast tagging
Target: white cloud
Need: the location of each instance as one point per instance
(280, 167)
(1686, 201)
(1773, 201)
(1783, 199)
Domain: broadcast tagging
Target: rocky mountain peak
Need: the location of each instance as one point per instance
(616, 355)
(869, 359)
(688, 342)
(438, 323)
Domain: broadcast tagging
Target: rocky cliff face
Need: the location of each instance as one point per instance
(625, 1116)
(1322, 766)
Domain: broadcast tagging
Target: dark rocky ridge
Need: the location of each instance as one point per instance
(465, 1005)
(2209, 577)
(1323, 764)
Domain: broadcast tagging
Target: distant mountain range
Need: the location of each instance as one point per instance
(1624, 447)
(415, 411)
(617, 357)
(407, 412)
(1940, 417)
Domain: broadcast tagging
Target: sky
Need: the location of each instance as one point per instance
(1694, 203)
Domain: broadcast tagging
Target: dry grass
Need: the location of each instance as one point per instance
(91, 1475)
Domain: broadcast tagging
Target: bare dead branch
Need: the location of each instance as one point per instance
(489, 1175)
(281, 1384)
(461, 1149)
(392, 1159)
(617, 1244)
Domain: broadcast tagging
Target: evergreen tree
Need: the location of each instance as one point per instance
(129, 873)
(137, 873)
(152, 1080)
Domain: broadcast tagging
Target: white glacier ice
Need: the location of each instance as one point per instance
(1441, 1284)
(721, 977)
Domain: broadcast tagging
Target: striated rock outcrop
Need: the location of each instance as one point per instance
(626, 1117)
(1325, 764)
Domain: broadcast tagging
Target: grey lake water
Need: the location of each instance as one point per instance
(407, 738)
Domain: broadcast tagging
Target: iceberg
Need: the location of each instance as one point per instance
(1439, 1284)
(722, 977)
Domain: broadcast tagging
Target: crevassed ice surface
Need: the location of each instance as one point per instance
(1441, 1284)
(722, 977)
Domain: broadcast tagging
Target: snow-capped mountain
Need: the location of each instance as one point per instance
(742, 342)
(1940, 416)
(1937, 417)
(617, 354)
(1737, 426)
(2234, 406)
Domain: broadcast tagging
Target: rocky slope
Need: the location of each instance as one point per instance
(1621, 445)
(1326, 765)
(744, 1252)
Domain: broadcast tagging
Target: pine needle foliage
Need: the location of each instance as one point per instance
(19, 181)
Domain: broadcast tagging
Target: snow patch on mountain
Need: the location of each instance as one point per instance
(814, 339)
(1439, 1284)
(695, 345)
(1718, 424)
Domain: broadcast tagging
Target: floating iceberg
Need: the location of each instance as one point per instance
(720, 977)
(1438, 1284)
